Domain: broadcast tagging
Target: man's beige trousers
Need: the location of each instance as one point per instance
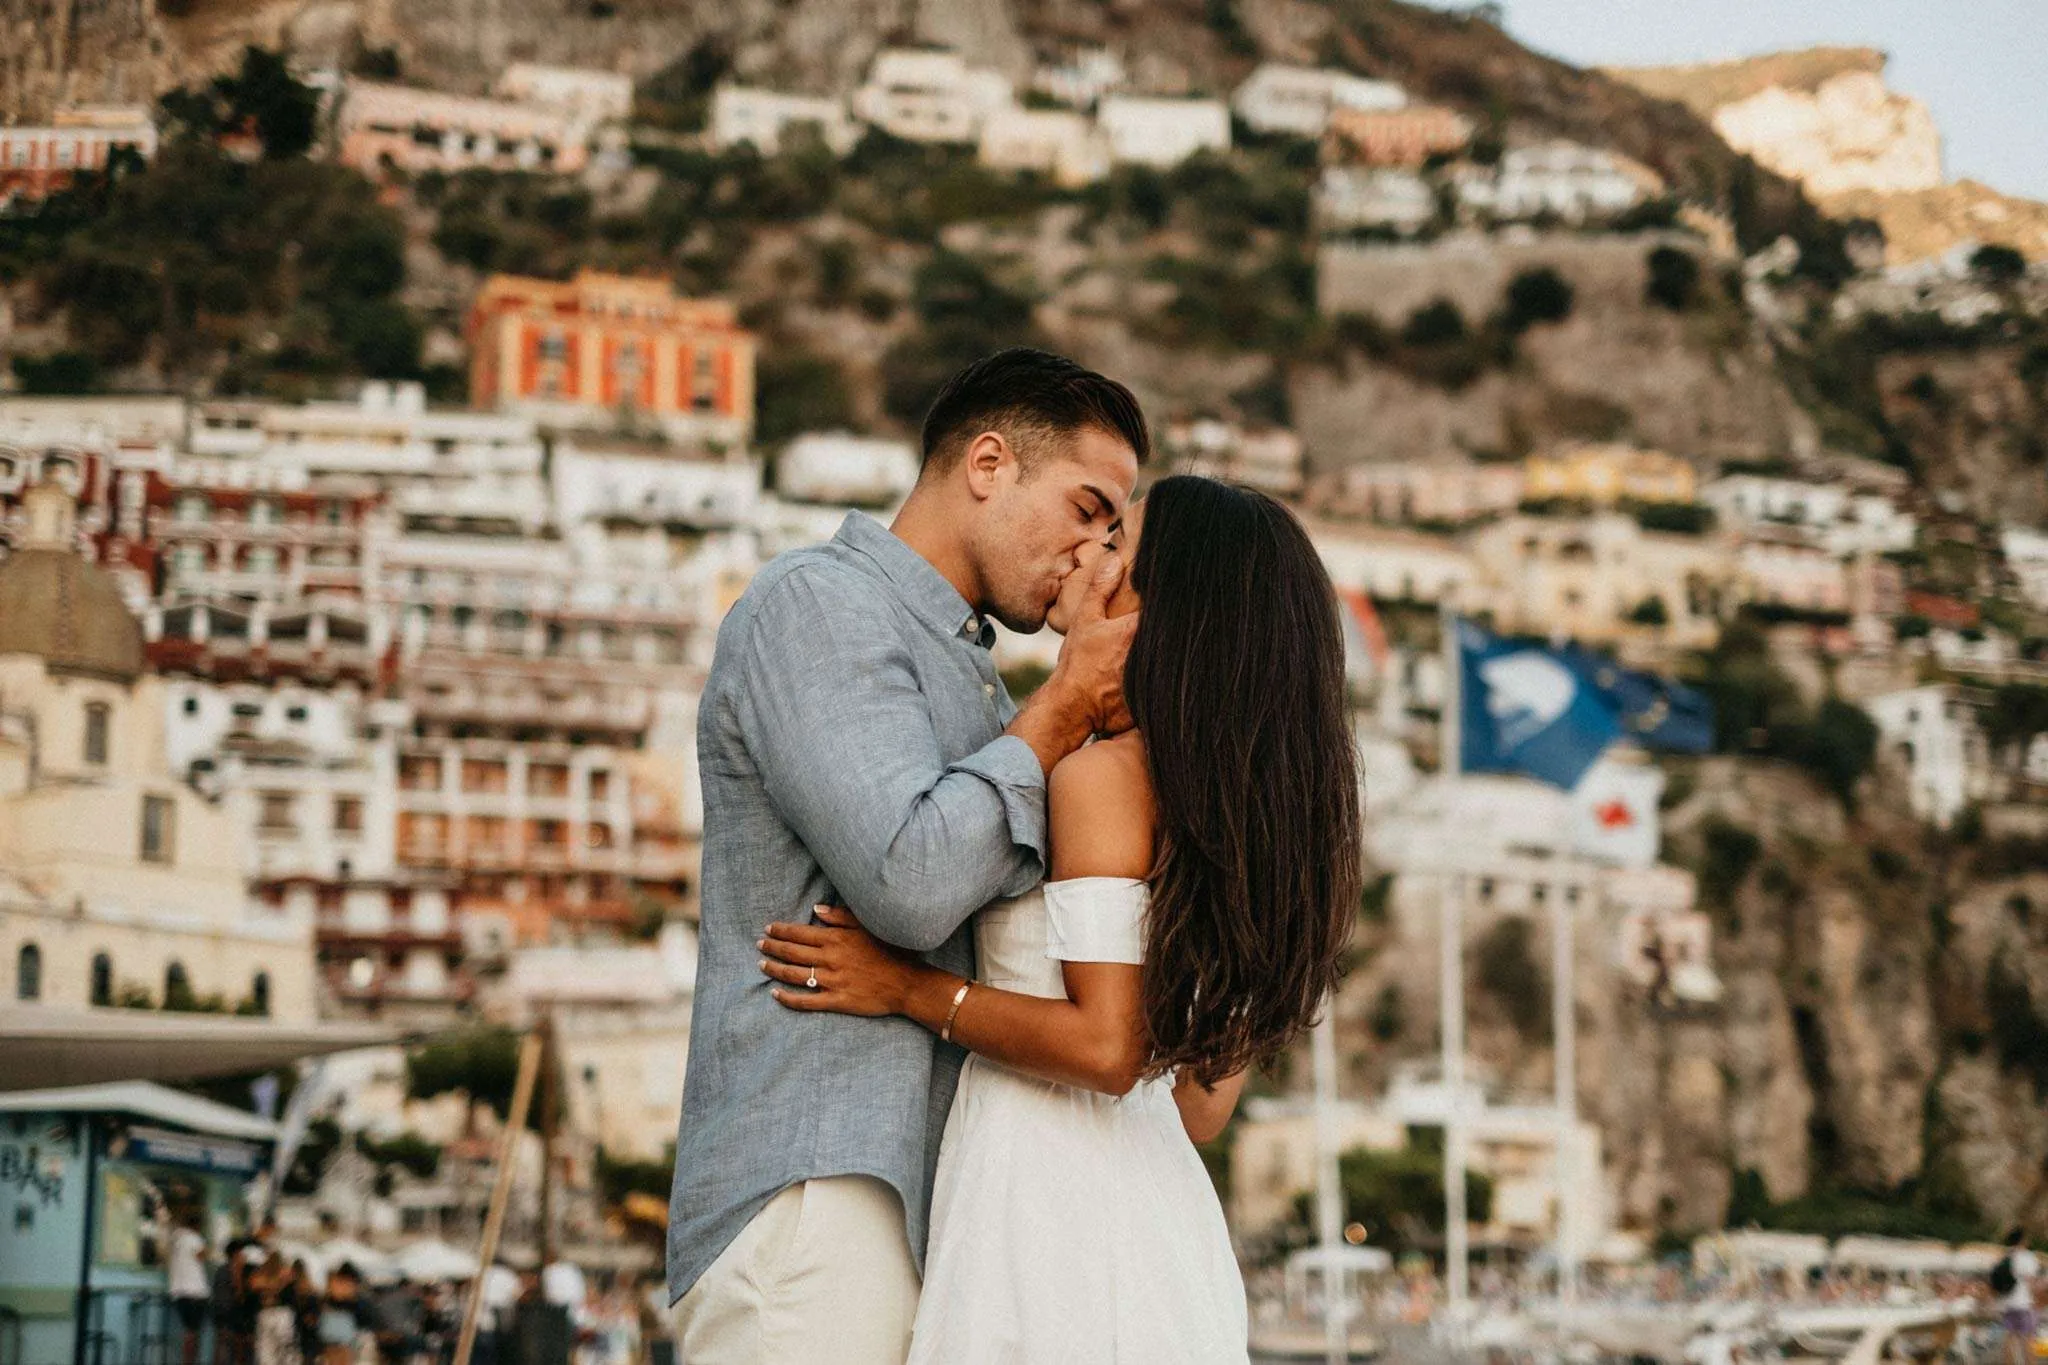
(822, 1273)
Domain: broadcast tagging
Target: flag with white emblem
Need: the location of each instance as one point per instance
(1524, 709)
(1614, 812)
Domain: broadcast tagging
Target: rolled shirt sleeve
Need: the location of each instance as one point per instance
(835, 720)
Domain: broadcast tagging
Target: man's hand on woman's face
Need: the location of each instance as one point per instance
(836, 966)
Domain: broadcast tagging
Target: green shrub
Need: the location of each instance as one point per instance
(1437, 323)
(57, 372)
(1399, 1196)
(1650, 612)
(1537, 295)
(1676, 518)
(1507, 970)
(481, 1062)
(1997, 265)
(798, 391)
(618, 1177)
(409, 1150)
(1674, 280)
(1728, 852)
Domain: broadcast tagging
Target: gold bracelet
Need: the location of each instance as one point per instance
(946, 1033)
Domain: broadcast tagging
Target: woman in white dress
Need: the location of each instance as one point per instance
(1205, 875)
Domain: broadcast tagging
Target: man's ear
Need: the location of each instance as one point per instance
(987, 459)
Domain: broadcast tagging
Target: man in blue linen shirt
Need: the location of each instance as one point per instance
(858, 747)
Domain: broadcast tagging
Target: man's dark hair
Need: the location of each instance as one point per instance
(1033, 398)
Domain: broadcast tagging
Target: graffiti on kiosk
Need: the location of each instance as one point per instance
(25, 1170)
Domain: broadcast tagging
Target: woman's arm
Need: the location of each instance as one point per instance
(1101, 826)
(1204, 1112)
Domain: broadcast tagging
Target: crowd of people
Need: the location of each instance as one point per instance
(255, 1305)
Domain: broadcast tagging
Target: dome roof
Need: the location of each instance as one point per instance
(58, 607)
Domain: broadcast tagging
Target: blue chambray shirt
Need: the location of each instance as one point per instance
(851, 746)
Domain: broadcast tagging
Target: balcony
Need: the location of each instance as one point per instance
(333, 931)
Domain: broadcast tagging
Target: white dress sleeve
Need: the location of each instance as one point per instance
(1096, 919)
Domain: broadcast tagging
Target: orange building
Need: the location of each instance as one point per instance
(1406, 137)
(601, 347)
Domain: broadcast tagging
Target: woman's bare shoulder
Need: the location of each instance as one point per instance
(1102, 816)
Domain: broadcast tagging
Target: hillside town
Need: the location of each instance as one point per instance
(373, 703)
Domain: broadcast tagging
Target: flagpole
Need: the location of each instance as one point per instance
(1329, 1213)
(1451, 1000)
(1564, 1051)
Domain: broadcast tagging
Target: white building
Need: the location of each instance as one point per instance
(1082, 79)
(1557, 179)
(1779, 568)
(594, 480)
(1838, 518)
(839, 467)
(622, 1026)
(1402, 492)
(118, 882)
(930, 95)
(1395, 565)
(764, 118)
(1266, 458)
(1273, 1161)
(452, 464)
(1595, 577)
(1163, 132)
(1934, 735)
(591, 95)
(422, 130)
(1277, 98)
(1058, 143)
(2026, 554)
(1349, 197)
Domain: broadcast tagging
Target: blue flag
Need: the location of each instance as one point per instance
(1526, 709)
(1655, 712)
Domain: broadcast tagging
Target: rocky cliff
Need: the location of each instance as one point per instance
(1825, 118)
(1863, 1048)
(56, 52)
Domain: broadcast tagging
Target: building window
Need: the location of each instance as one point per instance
(259, 994)
(28, 973)
(159, 832)
(348, 815)
(277, 813)
(102, 979)
(96, 718)
(194, 507)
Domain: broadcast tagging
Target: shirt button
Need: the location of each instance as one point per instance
(988, 689)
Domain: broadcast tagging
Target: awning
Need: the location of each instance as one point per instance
(47, 1046)
(142, 1099)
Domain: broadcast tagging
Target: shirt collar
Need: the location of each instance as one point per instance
(935, 601)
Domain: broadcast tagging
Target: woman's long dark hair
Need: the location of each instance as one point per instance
(1236, 680)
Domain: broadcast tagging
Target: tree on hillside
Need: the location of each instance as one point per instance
(482, 1063)
(260, 97)
(1674, 281)
(1998, 266)
(1537, 295)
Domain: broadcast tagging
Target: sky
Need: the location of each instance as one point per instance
(1981, 66)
